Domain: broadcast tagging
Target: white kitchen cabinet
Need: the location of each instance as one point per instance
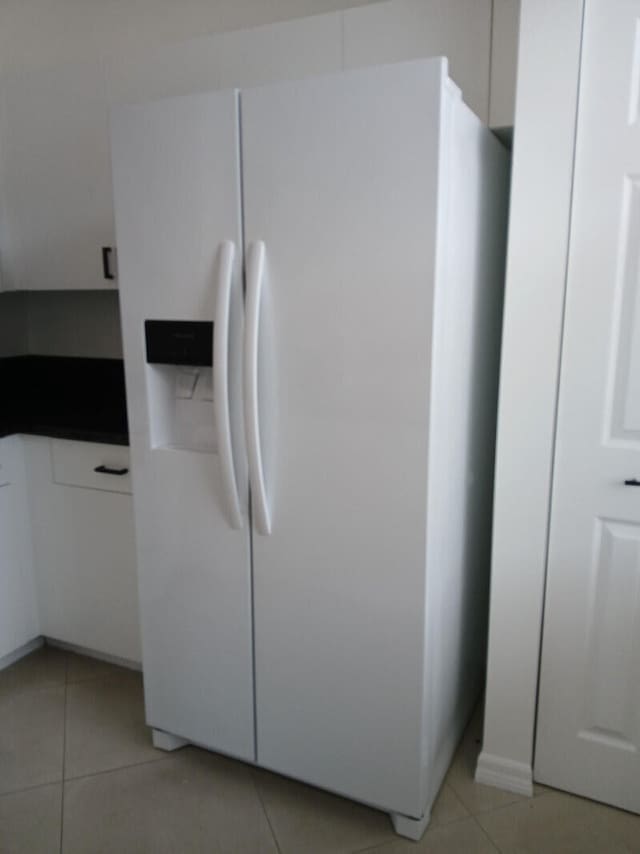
(56, 179)
(84, 550)
(504, 62)
(18, 609)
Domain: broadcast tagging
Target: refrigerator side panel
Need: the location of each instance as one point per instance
(177, 199)
(466, 349)
(341, 185)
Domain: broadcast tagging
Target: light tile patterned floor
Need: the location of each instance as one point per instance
(78, 774)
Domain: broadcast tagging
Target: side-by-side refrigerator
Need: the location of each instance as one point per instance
(310, 282)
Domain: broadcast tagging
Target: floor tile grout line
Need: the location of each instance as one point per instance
(370, 848)
(520, 799)
(397, 838)
(460, 818)
(266, 814)
(31, 788)
(517, 798)
(106, 677)
(487, 835)
(446, 785)
(77, 777)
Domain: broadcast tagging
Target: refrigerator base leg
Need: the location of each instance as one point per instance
(165, 741)
(411, 828)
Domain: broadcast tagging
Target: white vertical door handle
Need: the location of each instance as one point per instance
(221, 382)
(255, 277)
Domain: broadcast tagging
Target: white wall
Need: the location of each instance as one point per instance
(542, 170)
(41, 33)
(405, 29)
(74, 323)
(381, 32)
(60, 323)
(13, 324)
(504, 59)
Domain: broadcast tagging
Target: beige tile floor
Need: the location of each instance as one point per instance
(78, 773)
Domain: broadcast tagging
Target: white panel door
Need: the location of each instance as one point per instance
(177, 200)
(588, 738)
(340, 182)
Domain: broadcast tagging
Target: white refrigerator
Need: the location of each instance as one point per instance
(313, 495)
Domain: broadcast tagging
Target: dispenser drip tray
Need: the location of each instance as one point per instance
(181, 407)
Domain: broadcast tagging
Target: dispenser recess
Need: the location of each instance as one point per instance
(179, 355)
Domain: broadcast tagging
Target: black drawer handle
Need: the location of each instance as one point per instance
(632, 482)
(107, 470)
(107, 272)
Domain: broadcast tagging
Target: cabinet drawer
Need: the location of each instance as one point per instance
(77, 464)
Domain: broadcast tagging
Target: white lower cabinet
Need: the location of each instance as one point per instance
(84, 546)
(18, 610)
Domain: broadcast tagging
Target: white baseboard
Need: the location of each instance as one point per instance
(505, 774)
(36, 643)
(93, 653)
(17, 654)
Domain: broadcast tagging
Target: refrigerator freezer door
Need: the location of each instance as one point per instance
(177, 200)
(341, 183)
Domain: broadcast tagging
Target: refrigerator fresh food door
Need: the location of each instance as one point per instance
(176, 167)
(341, 188)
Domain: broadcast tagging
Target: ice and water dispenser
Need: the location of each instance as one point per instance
(179, 356)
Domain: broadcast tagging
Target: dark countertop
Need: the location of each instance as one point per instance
(65, 398)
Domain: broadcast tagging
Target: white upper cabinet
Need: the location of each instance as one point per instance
(56, 179)
(504, 62)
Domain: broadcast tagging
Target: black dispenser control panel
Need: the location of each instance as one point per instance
(179, 342)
